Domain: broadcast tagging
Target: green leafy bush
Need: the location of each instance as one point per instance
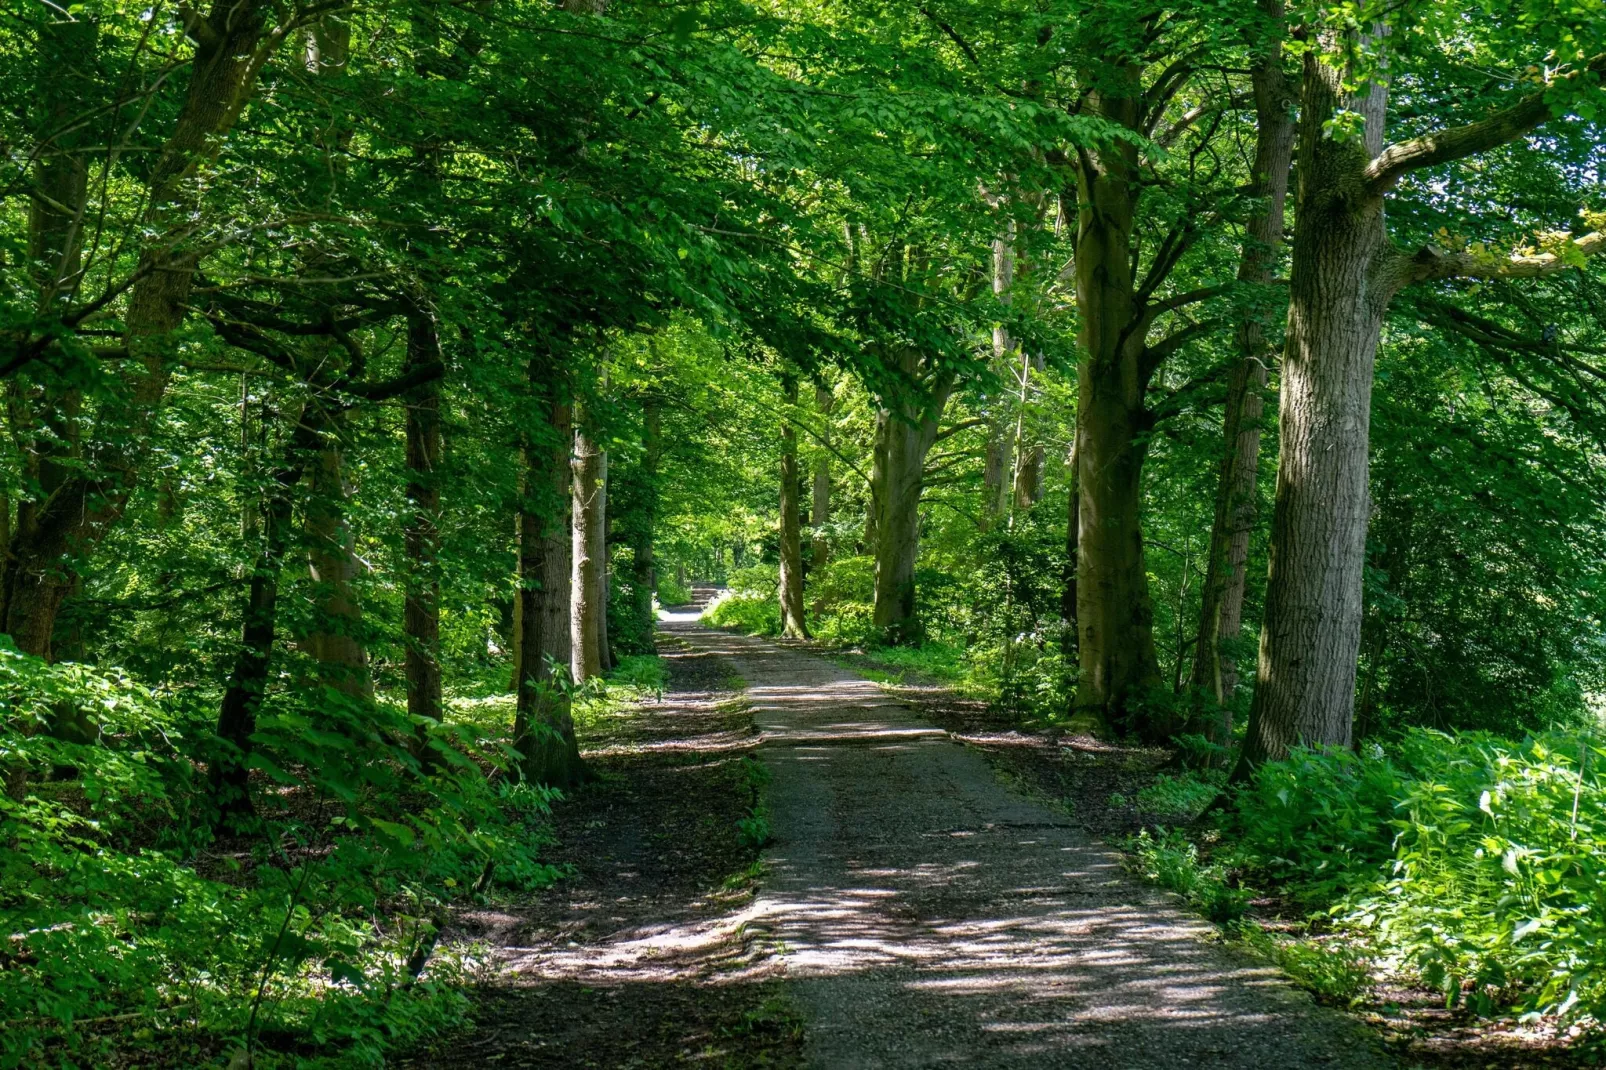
(1475, 861)
(121, 911)
(750, 604)
(671, 593)
(1168, 858)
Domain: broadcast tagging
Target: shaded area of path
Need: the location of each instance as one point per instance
(926, 916)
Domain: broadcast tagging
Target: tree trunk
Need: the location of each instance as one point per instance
(589, 556)
(1119, 668)
(1068, 640)
(905, 433)
(604, 649)
(543, 729)
(1215, 672)
(820, 514)
(645, 521)
(248, 682)
(793, 623)
(421, 622)
(1310, 639)
(334, 639)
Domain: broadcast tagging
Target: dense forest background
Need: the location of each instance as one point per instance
(1221, 376)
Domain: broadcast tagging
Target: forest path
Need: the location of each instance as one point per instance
(925, 915)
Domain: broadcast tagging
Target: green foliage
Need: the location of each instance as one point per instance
(1183, 795)
(1472, 860)
(1336, 969)
(117, 901)
(751, 604)
(1168, 858)
(671, 593)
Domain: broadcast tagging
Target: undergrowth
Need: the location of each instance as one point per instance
(137, 920)
(1468, 863)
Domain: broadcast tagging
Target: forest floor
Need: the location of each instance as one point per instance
(934, 895)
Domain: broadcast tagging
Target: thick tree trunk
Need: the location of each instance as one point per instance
(1119, 668)
(820, 513)
(793, 622)
(589, 557)
(1310, 639)
(904, 435)
(1215, 672)
(421, 622)
(543, 729)
(248, 682)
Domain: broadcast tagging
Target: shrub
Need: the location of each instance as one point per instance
(751, 604)
(1474, 861)
(118, 908)
(671, 593)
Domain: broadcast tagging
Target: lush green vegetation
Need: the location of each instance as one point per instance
(1223, 376)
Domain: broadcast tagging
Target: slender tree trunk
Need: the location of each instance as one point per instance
(820, 514)
(248, 682)
(421, 622)
(1119, 668)
(1027, 481)
(589, 556)
(1215, 672)
(1002, 433)
(1068, 640)
(645, 522)
(604, 647)
(793, 623)
(904, 435)
(334, 639)
(1310, 638)
(543, 729)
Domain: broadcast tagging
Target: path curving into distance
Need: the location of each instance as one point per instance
(925, 915)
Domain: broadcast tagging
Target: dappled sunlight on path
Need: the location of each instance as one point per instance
(927, 916)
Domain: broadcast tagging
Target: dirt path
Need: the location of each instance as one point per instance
(924, 915)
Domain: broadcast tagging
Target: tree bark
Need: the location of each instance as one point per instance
(906, 428)
(589, 555)
(1215, 672)
(820, 513)
(644, 522)
(1119, 668)
(248, 682)
(1310, 638)
(793, 623)
(334, 637)
(421, 623)
(543, 729)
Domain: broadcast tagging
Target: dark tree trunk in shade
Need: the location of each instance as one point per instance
(1215, 672)
(906, 429)
(543, 729)
(421, 535)
(248, 681)
(793, 623)
(1118, 666)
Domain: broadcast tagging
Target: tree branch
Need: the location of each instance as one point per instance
(1469, 139)
(1431, 262)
